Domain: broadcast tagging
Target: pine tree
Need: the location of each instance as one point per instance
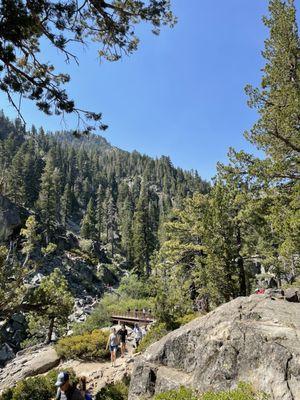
(141, 239)
(112, 225)
(15, 184)
(100, 195)
(31, 238)
(278, 101)
(66, 204)
(57, 306)
(47, 199)
(277, 133)
(126, 229)
(32, 167)
(56, 182)
(88, 224)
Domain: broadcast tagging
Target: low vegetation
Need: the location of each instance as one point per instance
(132, 294)
(114, 391)
(37, 388)
(88, 346)
(244, 391)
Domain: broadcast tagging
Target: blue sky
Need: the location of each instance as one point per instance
(182, 93)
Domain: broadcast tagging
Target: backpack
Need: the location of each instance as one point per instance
(88, 397)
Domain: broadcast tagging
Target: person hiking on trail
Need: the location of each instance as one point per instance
(83, 390)
(138, 334)
(112, 344)
(144, 313)
(66, 390)
(122, 333)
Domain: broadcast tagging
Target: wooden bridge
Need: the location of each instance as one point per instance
(133, 318)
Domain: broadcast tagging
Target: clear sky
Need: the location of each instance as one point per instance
(182, 93)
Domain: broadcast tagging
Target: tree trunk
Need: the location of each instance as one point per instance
(50, 329)
(112, 245)
(26, 260)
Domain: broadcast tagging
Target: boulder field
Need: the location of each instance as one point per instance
(254, 339)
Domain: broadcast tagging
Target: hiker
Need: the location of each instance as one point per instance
(66, 390)
(144, 314)
(112, 344)
(259, 291)
(83, 390)
(122, 333)
(136, 311)
(138, 334)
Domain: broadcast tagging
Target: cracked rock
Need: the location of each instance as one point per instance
(254, 339)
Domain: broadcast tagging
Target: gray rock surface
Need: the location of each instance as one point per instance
(11, 218)
(12, 333)
(254, 339)
(6, 353)
(29, 362)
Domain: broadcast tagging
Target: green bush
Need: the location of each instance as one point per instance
(111, 304)
(114, 391)
(244, 391)
(187, 318)
(180, 394)
(118, 304)
(88, 346)
(86, 256)
(35, 388)
(133, 287)
(156, 332)
(99, 318)
(295, 284)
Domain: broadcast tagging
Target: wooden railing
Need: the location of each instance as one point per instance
(133, 317)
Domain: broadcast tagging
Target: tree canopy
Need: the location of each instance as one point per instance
(24, 25)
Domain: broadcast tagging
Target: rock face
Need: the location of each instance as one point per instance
(254, 339)
(12, 333)
(11, 218)
(29, 362)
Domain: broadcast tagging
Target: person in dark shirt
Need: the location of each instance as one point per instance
(66, 390)
(123, 337)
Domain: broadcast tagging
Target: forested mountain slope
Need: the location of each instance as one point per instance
(87, 185)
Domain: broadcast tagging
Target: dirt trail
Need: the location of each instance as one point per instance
(99, 374)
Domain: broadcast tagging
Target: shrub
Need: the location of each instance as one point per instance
(86, 245)
(99, 318)
(133, 287)
(180, 394)
(117, 304)
(186, 319)
(50, 249)
(114, 391)
(244, 391)
(111, 303)
(88, 346)
(156, 332)
(37, 388)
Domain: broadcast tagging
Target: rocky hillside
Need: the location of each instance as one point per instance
(254, 339)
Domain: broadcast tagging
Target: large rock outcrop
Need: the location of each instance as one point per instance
(30, 362)
(11, 218)
(253, 339)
